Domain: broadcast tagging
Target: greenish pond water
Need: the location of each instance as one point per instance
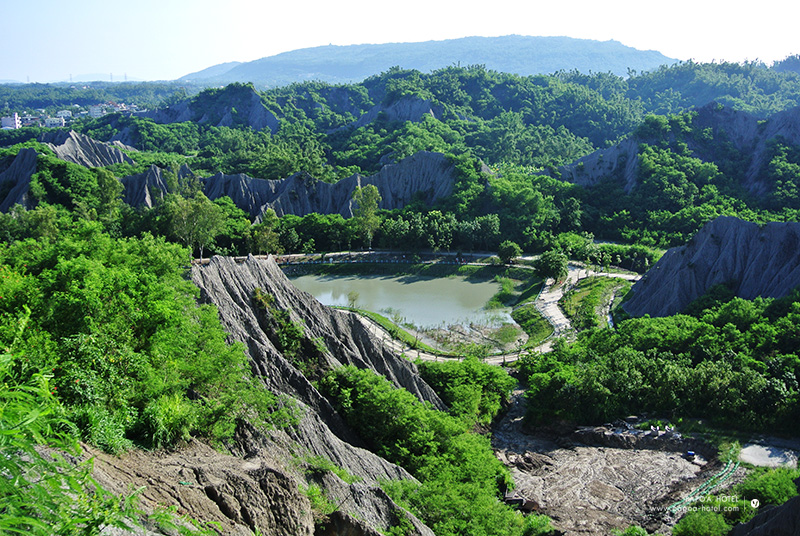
(424, 302)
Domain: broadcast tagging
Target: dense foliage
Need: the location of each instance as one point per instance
(733, 362)
(458, 473)
(113, 334)
(54, 97)
(132, 357)
(471, 389)
(714, 515)
(523, 127)
(42, 492)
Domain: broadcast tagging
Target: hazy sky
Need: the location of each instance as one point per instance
(49, 40)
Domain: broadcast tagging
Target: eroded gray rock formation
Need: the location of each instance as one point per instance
(244, 106)
(333, 338)
(70, 146)
(744, 132)
(242, 495)
(146, 189)
(425, 175)
(783, 520)
(83, 150)
(404, 109)
(754, 260)
(15, 180)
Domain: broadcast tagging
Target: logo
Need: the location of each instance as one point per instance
(754, 503)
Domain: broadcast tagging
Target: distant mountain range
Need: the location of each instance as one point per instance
(523, 55)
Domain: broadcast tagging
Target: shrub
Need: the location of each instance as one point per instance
(701, 523)
(775, 486)
(168, 419)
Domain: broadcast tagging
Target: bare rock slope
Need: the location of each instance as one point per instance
(80, 149)
(16, 172)
(425, 175)
(15, 179)
(332, 338)
(753, 260)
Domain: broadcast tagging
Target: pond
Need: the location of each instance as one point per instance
(424, 302)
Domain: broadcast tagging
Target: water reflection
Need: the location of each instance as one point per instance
(424, 302)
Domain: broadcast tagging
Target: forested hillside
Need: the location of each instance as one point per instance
(565, 153)
(519, 54)
(104, 339)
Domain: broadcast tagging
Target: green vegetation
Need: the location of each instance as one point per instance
(521, 127)
(582, 303)
(365, 212)
(316, 465)
(701, 523)
(133, 358)
(472, 389)
(321, 505)
(458, 473)
(769, 486)
(733, 363)
(508, 251)
(533, 323)
(43, 493)
(552, 265)
(505, 296)
(395, 329)
(108, 345)
(712, 514)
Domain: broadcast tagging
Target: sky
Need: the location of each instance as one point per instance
(52, 40)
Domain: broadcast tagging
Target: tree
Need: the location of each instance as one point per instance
(365, 212)
(508, 250)
(195, 221)
(352, 298)
(553, 264)
(263, 237)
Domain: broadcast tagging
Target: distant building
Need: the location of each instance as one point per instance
(54, 122)
(64, 113)
(28, 120)
(13, 121)
(97, 111)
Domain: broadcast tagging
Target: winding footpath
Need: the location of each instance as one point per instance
(546, 303)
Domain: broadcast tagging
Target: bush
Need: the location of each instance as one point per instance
(104, 429)
(45, 494)
(474, 390)
(774, 486)
(508, 251)
(132, 355)
(701, 523)
(168, 419)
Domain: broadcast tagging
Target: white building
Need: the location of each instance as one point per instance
(13, 121)
(54, 122)
(97, 111)
(64, 113)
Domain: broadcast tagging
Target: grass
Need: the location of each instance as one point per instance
(319, 465)
(581, 302)
(533, 323)
(504, 296)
